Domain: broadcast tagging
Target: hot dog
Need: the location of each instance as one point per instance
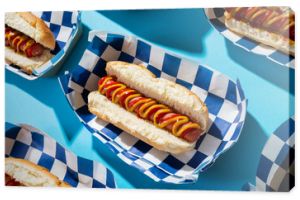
(160, 112)
(20, 172)
(22, 43)
(149, 109)
(10, 181)
(28, 40)
(273, 26)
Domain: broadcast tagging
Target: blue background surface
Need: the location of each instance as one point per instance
(268, 86)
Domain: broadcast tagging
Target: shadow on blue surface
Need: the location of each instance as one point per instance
(177, 29)
(42, 90)
(276, 74)
(77, 52)
(235, 167)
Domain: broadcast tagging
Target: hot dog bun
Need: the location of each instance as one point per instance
(274, 40)
(30, 174)
(167, 92)
(32, 26)
(26, 64)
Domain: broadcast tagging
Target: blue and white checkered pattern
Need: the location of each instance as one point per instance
(31, 144)
(216, 18)
(276, 169)
(224, 98)
(65, 26)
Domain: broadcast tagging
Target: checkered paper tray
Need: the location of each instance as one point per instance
(276, 168)
(216, 18)
(66, 27)
(26, 142)
(224, 98)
